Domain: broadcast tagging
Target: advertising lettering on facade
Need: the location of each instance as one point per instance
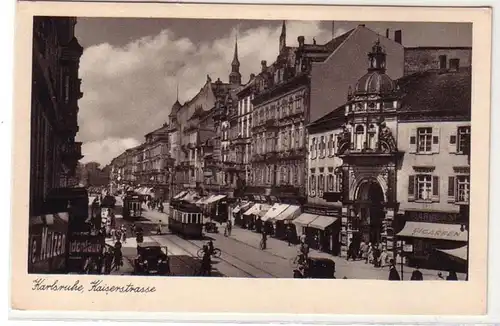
(334, 212)
(431, 217)
(445, 234)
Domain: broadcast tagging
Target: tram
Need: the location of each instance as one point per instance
(186, 219)
(132, 206)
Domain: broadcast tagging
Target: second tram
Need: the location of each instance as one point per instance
(186, 219)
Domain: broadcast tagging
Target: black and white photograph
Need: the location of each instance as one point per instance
(250, 148)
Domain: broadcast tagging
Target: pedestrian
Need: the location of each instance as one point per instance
(108, 261)
(303, 238)
(452, 276)
(289, 235)
(416, 275)
(158, 228)
(393, 272)
(118, 258)
(362, 248)
(229, 226)
(123, 231)
(376, 256)
(263, 242)
(369, 253)
(383, 258)
(350, 252)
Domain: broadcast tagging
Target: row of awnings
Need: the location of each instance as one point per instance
(193, 197)
(268, 213)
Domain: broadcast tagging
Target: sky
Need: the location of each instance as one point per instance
(131, 68)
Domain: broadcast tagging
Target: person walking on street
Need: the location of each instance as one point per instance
(108, 261)
(369, 253)
(393, 272)
(158, 228)
(118, 257)
(362, 250)
(206, 262)
(289, 235)
(416, 275)
(350, 252)
(123, 231)
(229, 226)
(263, 242)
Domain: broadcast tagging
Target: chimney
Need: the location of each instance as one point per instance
(455, 64)
(301, 41)
(387, 33)
(398, 36)
(263, 65)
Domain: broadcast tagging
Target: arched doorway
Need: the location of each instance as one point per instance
(371, 211)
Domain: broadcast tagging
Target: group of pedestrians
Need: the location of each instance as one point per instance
(375, 254)
(156, 204)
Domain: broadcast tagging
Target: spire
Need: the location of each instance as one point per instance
(235, 76)
(235, 62)
(283, 37)
(177, 95)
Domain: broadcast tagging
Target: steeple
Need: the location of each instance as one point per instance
(283, 37)
(235, 76)
(377, 58)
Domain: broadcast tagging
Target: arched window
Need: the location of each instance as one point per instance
(321, 185)
(312, 185)
(359, 137)
(329, 182)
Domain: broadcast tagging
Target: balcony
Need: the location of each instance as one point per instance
(292, 154)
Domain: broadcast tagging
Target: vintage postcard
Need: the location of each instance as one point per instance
(251, 159)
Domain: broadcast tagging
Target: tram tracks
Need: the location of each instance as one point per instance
(178, 242)
(225, 253)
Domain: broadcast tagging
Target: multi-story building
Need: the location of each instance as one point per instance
(117, 173)
(54, 108)
(284, 102)
(240, 134)
(396, 155)
(425, 58)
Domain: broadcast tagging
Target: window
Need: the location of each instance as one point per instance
(322, 147)
(442, 62)
(284, 175)
(359, 133)
(423, 187)
(295, 175)
(313, 148)
(463, 188)
(330, 145)
(268, 174)
(329, 182)
(424, 140)
(372, 139)
(321, 185)
(312, 185)
(301, 135)
(463, 144)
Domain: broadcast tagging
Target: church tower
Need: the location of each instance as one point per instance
(283, 38)
(235, 76)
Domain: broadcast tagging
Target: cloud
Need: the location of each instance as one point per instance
(103, 151)
(128, 91)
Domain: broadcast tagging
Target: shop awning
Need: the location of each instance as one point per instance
(458, 252)
(241, 207)
(321, 222)
(304, 219)
(181, 194)
(264, 208)
(274, 211)
(292, 211)
(253, 210)
(214, 199)
(438, 231)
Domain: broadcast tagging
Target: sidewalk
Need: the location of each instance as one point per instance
(350, 269)
(127, 267)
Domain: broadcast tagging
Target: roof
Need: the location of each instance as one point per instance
(337, 41)
(448, 92)
(338, 113)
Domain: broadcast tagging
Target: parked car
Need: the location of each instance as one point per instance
(151, 259)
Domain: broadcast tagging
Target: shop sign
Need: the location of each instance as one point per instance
(47, 245)
(431, 217)
(85, 246)
(334, 212)
(408, 248)
(439, 233)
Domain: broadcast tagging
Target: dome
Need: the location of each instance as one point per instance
(375, 82)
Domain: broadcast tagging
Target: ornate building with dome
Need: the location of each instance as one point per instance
(390, 156)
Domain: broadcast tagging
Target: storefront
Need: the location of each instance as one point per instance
(428, 239)
(325, 228)
(239, 210)
(48, 244)
(252, 218)
(268, 217)
(283, 221)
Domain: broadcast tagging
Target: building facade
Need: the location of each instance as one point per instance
(419, 59)
(398, 151)
(54, 108)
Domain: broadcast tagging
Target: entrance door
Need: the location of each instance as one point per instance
(372, 213)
